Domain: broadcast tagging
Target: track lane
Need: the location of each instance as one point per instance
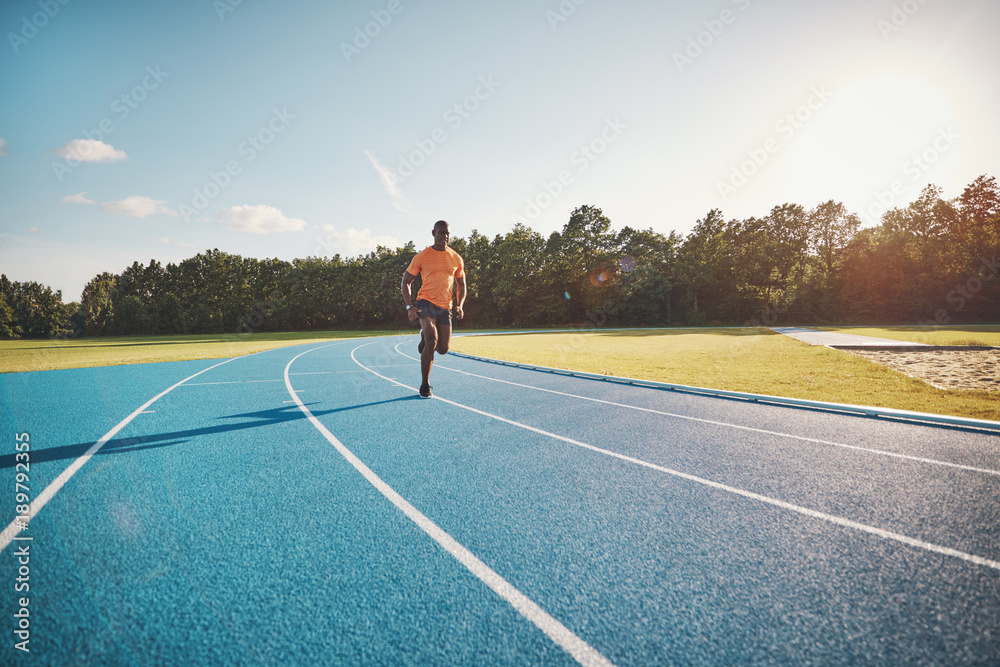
(955, 445)
(226, 531)
(835, 550)
(838, 555)
(258, 543)
(881, 452)
(947, 510)
(582, 652)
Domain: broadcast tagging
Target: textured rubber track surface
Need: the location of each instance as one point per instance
(221, 526)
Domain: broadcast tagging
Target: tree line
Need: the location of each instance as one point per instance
(933, 262)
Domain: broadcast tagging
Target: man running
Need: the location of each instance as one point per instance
(440, 267)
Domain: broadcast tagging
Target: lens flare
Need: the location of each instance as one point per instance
(599, 277)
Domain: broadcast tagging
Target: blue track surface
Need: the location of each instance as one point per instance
(517, 518)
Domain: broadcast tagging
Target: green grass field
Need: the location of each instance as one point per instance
(44, 355)
(955, 335)
(751, 360)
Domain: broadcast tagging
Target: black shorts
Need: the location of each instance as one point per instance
(428, 309)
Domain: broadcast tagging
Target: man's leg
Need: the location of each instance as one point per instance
(443, 337)
(430, 333)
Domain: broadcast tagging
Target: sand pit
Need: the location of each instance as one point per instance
(946, 369)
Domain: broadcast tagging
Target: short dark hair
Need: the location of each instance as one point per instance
(441, 222)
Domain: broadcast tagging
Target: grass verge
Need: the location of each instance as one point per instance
(954, 335)
(757, 361)
(44, 355)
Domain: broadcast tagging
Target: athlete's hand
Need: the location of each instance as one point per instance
(459, 312)
(413, 314)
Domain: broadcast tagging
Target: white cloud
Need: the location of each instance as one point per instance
(78, 198)
(137, 207)
(390, 183)
(34, 230)
(162, 241)
(260, 219)
(90, 150)
(3, 146)
(353, 242)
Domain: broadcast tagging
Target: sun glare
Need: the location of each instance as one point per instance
(873, 132)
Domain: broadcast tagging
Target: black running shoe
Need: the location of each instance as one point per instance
(425, 391)
(420, 346)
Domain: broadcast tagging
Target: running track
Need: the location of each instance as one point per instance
(304, 506)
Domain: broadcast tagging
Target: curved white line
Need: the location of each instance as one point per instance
(872, 530)
(52, 489)
(556, 631)
(882, 452)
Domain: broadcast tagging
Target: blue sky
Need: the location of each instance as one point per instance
(135, 130)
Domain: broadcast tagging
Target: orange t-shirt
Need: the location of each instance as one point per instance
(439, 269)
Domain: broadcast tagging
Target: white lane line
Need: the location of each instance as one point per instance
(872, 530)
(882, 452)
(556, 631)
(206, 384)
(52, 489)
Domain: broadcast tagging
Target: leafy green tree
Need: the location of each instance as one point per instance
(643, 281)
(579, 260)
(131, 316)
(702, 269)
(37, 311)
(808, 266)
(8, 325)
(831, 228)
(98, 305)
(480, 277)
(170, 315)
(516, 274)
(378, 293)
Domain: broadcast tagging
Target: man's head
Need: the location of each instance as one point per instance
(441, 234)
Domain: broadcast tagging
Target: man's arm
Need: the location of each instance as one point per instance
(411, 312)
(462, 291)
